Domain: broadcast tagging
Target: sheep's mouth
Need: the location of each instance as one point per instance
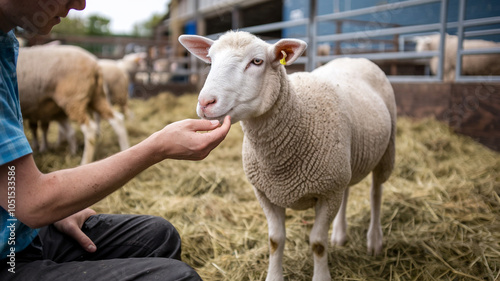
(219, 117)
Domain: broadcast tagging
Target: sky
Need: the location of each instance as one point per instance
(123, 13)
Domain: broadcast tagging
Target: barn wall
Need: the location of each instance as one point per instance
(472, 109)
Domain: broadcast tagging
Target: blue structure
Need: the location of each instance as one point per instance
(422, 14)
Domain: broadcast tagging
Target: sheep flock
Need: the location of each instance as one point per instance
(62, 83)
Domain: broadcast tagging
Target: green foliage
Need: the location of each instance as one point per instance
(98, 25)
(145, 28)
(70, 25)
(93, 25)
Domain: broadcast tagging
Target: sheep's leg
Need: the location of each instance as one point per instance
(89, 131)
(119, 127)
(61, 135)
(97, 119)
(319, 238)
(375, 235)
(67, 132)
(33, 128)
(45, 143)
(276, 223)
(339, 229)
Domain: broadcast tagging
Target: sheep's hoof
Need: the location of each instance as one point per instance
(339, 238)
(374, 242)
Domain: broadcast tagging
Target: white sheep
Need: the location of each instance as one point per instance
(488, 64)
(60, 82)
(136, 65)
(133, 62)
(307, 136)
(116, 81)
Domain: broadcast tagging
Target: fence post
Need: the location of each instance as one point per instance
(311, 37)
(460, 35)
(442, 31)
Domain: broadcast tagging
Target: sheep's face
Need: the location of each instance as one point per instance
(428, 43)
(243, 81)
(423, 44)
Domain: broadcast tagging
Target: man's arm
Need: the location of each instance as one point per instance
(42, 199)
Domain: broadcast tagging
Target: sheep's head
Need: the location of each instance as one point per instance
(423, 43)
(428, 43)
(243, 79)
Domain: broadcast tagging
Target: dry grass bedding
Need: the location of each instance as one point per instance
(441, 207)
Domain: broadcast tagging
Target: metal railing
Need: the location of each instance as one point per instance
(462, 24)
(405, 32)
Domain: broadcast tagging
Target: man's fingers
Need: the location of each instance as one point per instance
(227, 123)
(76, 233)
(88, 213)
(208, 125)
(203, 124)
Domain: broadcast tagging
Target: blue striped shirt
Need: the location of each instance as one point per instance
(13, 144)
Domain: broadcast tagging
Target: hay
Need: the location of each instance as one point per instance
(440, 219)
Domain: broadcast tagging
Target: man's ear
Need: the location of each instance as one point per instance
(286, 51)
(197, 45)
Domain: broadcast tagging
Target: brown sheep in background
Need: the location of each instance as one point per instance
(59, 82)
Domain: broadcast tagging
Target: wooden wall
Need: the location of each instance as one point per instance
(472, 109)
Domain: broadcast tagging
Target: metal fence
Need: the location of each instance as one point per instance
(402, 32)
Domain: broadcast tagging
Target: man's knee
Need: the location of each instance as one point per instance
(170, 269)
(164, 236)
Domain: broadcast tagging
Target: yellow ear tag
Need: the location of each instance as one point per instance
(283, 61)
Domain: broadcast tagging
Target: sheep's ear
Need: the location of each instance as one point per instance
(293, 48)
(197, 45)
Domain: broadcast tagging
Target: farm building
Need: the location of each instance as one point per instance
(382, 31)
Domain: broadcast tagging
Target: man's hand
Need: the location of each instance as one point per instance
(191, 139)
(72, 226)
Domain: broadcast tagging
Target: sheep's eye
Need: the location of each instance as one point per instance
(257, 61)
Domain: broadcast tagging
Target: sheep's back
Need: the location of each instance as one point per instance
(42, 70)
(488, 64)
(367, 100)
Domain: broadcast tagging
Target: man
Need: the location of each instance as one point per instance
(46, 230)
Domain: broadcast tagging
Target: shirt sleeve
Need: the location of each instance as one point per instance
(13, 141)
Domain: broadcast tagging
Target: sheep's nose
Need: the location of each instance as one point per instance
(206, 102)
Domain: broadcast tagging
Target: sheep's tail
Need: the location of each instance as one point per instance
(99, 102)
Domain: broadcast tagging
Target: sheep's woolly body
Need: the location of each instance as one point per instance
(321, 135)
(46, 77)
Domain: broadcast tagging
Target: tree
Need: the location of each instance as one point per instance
(98, 25)
(145, 28)
(93, 25)
(74, 26)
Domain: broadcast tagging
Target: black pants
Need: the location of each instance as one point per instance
(129, 247)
